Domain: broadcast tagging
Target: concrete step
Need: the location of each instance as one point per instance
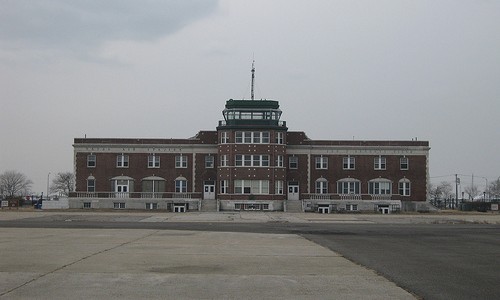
(208, 205)
(294, 206)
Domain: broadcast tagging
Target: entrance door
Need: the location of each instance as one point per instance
(293, 191)
(383, 209)
(209, 190)
(179, 208)
(121, 190)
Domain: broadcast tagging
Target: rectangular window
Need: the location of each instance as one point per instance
(293, 162)
(87, 204)
(404, 163)
(223, 186)
(118, 205)
(151, 205)
(279, 138)
(209, 161)
(251, 186)
(224, 137)
(252, 137)
(122, 161)
(153, 161)
(404, 188)
(251, 160)
(379, 163)
(279, 187)
(321, 162)
(91, 185)
(181, 161)
(349, 163)
(348, 187)
(223, 160)
(91, 161)
(351, 207)
(279, 161)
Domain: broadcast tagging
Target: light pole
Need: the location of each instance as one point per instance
(48, 176)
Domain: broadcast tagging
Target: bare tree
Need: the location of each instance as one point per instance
(494, 188)
(64, 182)
(14, 183)
(472, 191)
(443, 191)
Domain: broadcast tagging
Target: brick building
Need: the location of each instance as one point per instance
(250, 162)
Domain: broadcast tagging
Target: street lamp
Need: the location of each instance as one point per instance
(48, 176)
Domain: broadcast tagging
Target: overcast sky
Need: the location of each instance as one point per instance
(368, 70)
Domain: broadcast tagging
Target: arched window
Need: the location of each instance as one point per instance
(180, 185)
(91, 184)
(349, 186)
(321, 186)
(380, 186)
(405, 187)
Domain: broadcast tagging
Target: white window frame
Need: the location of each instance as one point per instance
(122, 161)
(209, 161)
(224, 160)
(249, 160)
(404, 163)
(404, 187)
(279, 184)
(224, 185)
(119, 205)
(257, 187)
(351, 207)
(181, 186)
(348, 187)
(181, 161)
(90, 186)
(321, 162)
(279, 138)
(153, 161)
(224, 137)
(91, 160)
(321, 186)
(293, 162)
(380, 162)
(251, 137)
(280, 161)
(380, 187)
(349, 162)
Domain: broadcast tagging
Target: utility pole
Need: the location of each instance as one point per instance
(456, 190)
(253, 80)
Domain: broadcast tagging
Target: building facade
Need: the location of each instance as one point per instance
(250, 162)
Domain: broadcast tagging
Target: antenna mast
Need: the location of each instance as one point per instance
(253, 80)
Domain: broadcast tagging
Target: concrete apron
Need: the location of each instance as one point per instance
(166, 264)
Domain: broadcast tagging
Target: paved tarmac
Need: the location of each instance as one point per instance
(157, 261)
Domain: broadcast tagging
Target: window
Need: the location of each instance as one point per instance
(349, 162)
(118, 205)
(224, 137)
(404, 163)
(87, 204)
(321, 186)
(151, 205)
(279, 161)
(251, 160)
(351, 207)
(249, 137)
(181, 161)
(122, 161)
(91, 161)
(293, 162)
(251, 186)
(223, 160)
(404, 187)
(379, 187)
(321, 162)
(348, 187)
(279, 137)
(153, 161)
(379, 163)
(180, 186)
(209, 161)
(91, 184)
(224, 186)
(279, 187)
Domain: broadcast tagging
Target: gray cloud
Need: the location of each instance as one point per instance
(62, 23)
